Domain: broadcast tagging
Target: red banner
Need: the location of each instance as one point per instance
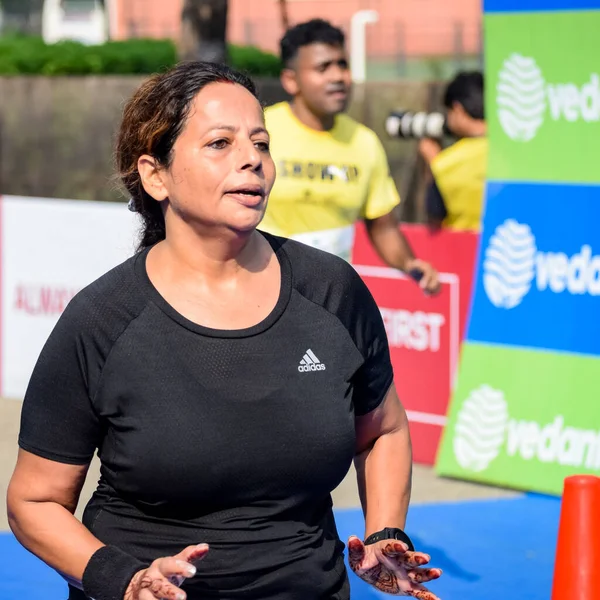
(424, 333)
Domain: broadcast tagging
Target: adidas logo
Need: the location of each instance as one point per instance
(310, 362)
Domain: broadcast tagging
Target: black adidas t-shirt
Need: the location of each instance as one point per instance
(231, 437)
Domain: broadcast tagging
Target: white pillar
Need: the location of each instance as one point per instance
(113, 8)
(51, 21)
(358, 43)
(91, 29)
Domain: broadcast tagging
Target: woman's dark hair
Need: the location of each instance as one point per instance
(152, 121)
(316, 31)
(467, 89)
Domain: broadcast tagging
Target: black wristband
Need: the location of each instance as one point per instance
(108, 573)
(390, 533)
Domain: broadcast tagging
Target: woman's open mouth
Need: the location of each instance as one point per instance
(251, 195)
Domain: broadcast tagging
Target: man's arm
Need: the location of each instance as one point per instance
(394, 249)
(435, 205)
(384, 229)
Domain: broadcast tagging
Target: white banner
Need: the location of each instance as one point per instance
(51, 249)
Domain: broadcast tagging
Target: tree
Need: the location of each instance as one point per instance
(204, 30)
(284, 15)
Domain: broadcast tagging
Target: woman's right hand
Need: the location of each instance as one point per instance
(160, 580)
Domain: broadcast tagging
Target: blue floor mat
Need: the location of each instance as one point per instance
(489, 550)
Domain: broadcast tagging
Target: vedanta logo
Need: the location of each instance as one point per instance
(523, 97)
(508, 267)
(484, 430)
(513, 263)
(480, 428)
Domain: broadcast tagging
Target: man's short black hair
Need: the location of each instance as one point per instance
(316, 31)
(467, 89)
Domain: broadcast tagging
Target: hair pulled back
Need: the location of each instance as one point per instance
(152, 121)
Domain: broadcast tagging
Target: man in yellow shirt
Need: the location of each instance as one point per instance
(455, 197)
(331, 170)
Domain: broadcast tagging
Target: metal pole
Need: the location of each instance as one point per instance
(358, 43)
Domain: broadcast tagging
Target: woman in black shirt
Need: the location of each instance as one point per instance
(227, 379)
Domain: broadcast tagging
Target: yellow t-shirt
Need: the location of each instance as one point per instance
(326, 180)
(460, 172)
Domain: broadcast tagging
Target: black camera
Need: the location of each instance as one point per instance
(416, 125)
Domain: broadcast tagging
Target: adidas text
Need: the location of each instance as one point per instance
(305, 368)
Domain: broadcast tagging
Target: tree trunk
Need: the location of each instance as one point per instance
(204, 30)
(283, 12)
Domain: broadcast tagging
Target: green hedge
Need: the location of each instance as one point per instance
(31, 56)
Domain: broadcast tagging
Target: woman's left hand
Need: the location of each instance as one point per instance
(390, 567)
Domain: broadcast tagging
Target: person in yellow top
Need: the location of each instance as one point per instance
(331, 170)
(455, 197)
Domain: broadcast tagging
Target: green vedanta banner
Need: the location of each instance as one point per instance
(521, 418)
(543, 96)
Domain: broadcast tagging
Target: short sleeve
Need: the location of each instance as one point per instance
(57, 420)
(374, 378)
(382, 196)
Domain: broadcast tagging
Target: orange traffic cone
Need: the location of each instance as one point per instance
(577, 564)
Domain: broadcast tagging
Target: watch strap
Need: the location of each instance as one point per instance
(390, 533)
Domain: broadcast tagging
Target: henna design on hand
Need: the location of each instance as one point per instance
(382, 579)
(422, 595)
(133, 587)
(143, 581)
(165, 587)
(404, 558)
(405, 567)
(423, 575)
(154, 585)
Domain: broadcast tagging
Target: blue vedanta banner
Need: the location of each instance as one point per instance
(524, 413)
(538, 272)
(510, 6)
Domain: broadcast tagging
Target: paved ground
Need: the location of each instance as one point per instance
(427, 487)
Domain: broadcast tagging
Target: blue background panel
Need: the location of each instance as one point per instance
(539, 232)
(495, 6)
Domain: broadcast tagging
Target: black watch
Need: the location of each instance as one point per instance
(390, 533)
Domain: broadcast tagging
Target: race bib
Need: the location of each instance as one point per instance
(337, 241)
